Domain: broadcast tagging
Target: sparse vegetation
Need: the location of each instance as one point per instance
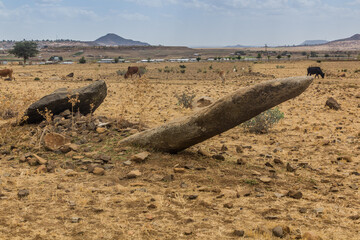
(264, 121)
(185, 99)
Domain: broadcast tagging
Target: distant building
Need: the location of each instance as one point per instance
(106, 60)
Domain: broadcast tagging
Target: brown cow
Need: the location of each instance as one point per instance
(6, 72)
(131, 71)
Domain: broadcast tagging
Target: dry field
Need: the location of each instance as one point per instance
(191, 195)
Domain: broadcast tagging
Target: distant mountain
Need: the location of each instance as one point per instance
(313, 42)
(240, 46)
(355, 37)
(112, 39)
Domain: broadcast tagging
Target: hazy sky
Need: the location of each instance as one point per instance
(182, 22)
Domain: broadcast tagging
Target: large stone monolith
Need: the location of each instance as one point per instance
(220, 116)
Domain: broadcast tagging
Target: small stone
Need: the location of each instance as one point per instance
(238, 233)
(192, 197)
(228, 205)
(239, 149)
(278, 161)
(319, 210)
(290, 168)
(100, 130)
(74, 147)
(65, 149)
(265, 179)
(133, 174)
(40, 160)
(53, 141)
(179, 170)
(278, 231)
(204, 153)
(240, 161)
(140, 157)
(224, 148)
(278, 195)
(302, 210)
(354, 187)
(269, 165)
(98, 171)
(151, 206)
(219, 157)
(333, 104)
(309, 236)
(188, 232)
(295, 194)
(127, 163)
(75, 219)
(23, 193)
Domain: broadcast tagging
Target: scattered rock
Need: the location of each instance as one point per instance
(240, 161)
(98, 171)
(40, 160)
(295, 194)
(265, 179)
(228, 205)
(70, 75)
(278, 231)
(133, 174)
(333, 104)
(219, 157)
(53, 141)
(75, 219)
(23, 193)
(238, 233)
(278, 161)
(140, 157)
(290, 168)
(100, 130)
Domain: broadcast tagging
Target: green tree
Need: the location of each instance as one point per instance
(259, 56)
(82, 60)
(24, 49)
(198, 59)
(116, 60)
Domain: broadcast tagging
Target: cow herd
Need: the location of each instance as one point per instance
(135, 70)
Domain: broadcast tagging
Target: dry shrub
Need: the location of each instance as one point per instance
(138, 95)
(264, 121)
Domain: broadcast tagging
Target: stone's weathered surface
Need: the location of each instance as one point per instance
(220, 116)
(53, 141)
(58, 101)
(333, 104)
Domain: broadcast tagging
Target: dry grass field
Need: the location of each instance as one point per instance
(190, 195)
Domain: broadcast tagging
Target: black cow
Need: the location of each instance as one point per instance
(315, 70)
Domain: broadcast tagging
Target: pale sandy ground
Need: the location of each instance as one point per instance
(310, 135)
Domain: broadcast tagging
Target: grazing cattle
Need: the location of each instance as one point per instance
(6, 72)
(131, 71)
(315, 70)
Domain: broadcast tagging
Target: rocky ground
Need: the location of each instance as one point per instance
(68, 178)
